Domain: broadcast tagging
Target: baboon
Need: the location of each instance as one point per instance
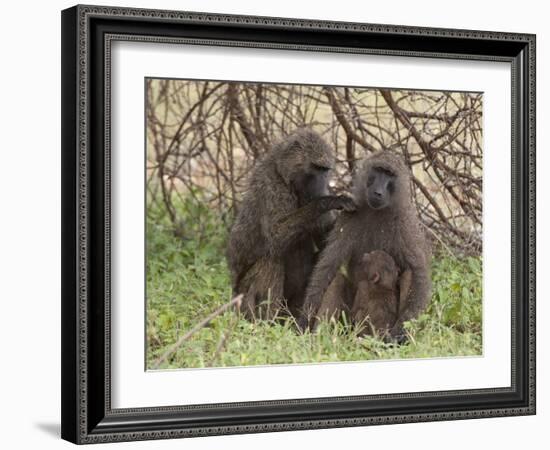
(283, 220)
(386, 219)
(381, 293)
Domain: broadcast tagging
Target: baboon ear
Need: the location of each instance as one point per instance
(375, 277)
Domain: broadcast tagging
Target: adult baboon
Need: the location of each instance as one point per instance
(283, 219)
(381, 293)
(386, 219)
(338, 299)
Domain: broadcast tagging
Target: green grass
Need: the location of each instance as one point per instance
(187, 279)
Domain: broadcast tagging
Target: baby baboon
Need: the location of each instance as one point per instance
(381, 293)
(386, 219)
(282, 222)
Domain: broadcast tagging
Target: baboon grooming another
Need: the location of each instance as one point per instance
(282, 222)
(386, 219)
(381, 293)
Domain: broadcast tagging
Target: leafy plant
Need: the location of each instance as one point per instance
(187, 279)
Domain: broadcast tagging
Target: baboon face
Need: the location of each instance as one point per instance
(382, 181)
(378, 269)
(305, 161)
(310, 183)
(380, 187)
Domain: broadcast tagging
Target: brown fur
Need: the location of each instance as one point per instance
(338, 299)
(394, 229)
(381, 293)
(279, 229)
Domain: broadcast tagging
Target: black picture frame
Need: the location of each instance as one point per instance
(87, 416)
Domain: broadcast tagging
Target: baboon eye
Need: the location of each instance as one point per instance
(370, 180)
(385, 171)
(320, 168)
(391, 187)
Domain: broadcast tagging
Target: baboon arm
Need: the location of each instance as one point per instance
(282, 232)
(336, 253)
(285, 230)
(360, 301)
(405, 282)
(417, 300)
(322, 229)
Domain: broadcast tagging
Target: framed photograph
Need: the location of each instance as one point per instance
(281, 224)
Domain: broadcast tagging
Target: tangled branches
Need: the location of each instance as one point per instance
(204, 137)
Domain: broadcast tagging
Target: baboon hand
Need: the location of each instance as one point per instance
(396, 335)
(302, 323)
(340, 202)
(346, 203)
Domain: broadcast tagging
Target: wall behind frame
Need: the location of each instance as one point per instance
(30, 226)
